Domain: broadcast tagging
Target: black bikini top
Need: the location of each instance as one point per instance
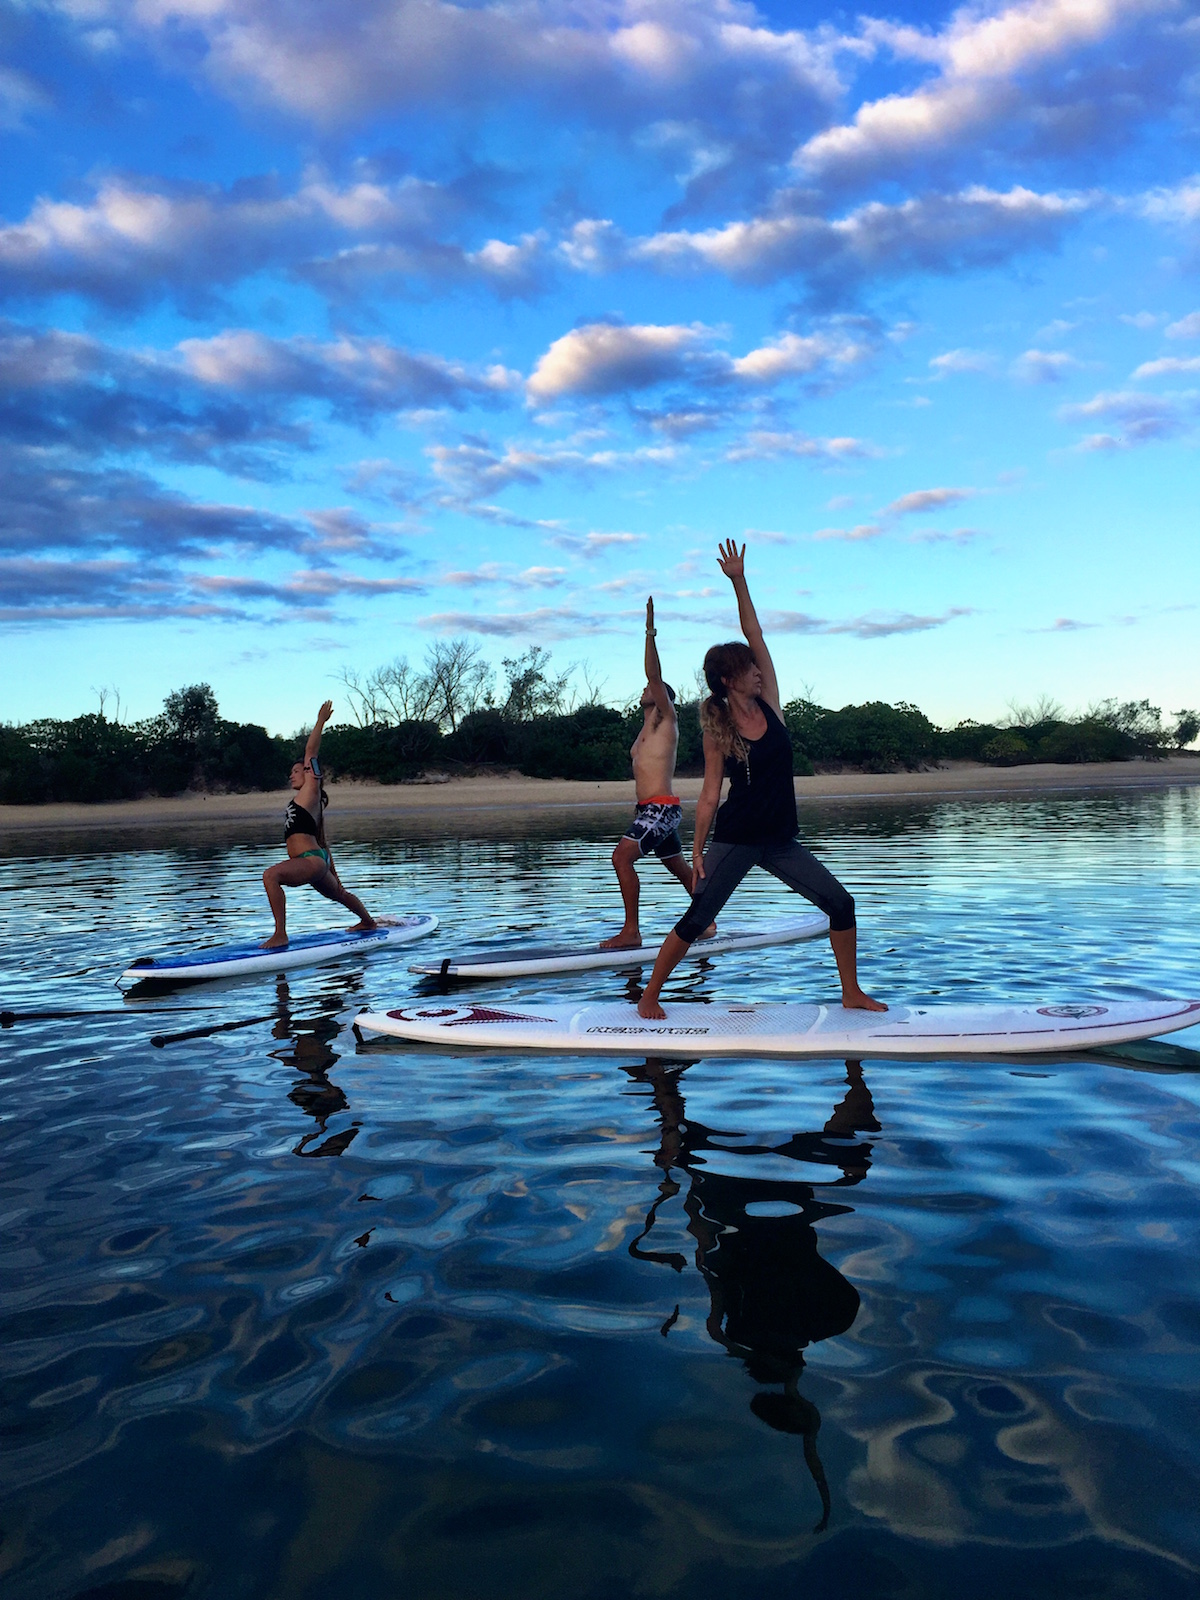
(297, 820)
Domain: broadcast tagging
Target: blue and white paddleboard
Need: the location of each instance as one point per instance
(531, 960)
(785, 1030)
(303, 950)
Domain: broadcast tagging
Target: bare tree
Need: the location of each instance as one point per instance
(1044, 709)
(408, 695)
(459, 679)
(105, 693)
(455, 681)
(360, 691)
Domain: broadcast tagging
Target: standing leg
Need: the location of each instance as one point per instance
(624, 860)
(725, 866)
(330, 885)
(845, 953)
(290, 874)
(680, 867)
(792, 864)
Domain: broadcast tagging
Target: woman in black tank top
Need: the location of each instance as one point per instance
(745, 740)
(309, 859)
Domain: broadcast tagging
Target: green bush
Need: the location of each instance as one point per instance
(876, 737)
(1007, 749)
(385, 754)
(591, 743)
(965, 741)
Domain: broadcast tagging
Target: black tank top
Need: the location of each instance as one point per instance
(761, 808)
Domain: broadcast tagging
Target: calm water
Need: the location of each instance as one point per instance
(286, 1315)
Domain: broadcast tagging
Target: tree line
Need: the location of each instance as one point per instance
(452, 714)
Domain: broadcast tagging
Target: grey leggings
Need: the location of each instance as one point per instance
(725, 865)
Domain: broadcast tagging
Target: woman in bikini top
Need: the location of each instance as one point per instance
(309, 859)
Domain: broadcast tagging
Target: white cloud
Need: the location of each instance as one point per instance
(491, 573)
(19, 97)
(546, 622)
(918, 501)
(874, 625)
(952, 363)
(1044, 366)
(988, 84)
(933, 233)
(604, 358)
(1168, 366)
(855, 535)
(1179, 203)
(590, 545)
(1186, 328)
(764, 444)
(792, 355)
(1141, 418)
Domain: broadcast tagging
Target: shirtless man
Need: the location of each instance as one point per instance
(655, 826)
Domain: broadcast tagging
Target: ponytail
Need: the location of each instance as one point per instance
(723, 663)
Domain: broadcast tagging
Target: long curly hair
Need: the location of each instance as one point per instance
(723, 664)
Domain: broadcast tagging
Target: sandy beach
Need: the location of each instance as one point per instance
(460, 797)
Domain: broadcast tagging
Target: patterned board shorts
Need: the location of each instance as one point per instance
(655, 827)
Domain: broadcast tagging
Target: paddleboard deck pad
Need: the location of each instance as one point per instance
(520, 961)
(303, 950)
(785, 1030)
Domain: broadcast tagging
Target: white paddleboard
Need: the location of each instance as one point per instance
(518, 961)
(303, 950)
(785, 1030)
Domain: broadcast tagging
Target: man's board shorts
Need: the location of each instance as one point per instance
(655, 826)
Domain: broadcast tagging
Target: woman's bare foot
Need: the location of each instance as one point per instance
(709, 933)
(363, 926)
(650, 1009)
(856, 1000)
(275, 942)
(627, 939)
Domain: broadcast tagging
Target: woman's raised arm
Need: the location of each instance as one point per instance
(314, 738)
(732, 563)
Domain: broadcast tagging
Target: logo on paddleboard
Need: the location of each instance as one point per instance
(1071, 1011)
(456, 1016)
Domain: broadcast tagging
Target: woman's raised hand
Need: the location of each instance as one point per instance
(325, 713)
(731, 560)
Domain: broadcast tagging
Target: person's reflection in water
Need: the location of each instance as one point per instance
(310, 1052)
(771, 1294)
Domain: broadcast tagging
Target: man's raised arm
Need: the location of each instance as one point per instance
(654, 677)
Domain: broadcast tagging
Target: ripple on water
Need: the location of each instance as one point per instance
(343, 1319)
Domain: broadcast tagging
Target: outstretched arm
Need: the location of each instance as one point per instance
(314, 738)
(654, 677)
(733, 564)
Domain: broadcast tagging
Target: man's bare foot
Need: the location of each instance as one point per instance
(858, 1001)
(275, 942)
(364, 926)
(650, 1009)
(627, 939)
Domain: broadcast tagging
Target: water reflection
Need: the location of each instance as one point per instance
(771, 1292)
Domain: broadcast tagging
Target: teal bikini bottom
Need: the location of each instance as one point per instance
(324, 855)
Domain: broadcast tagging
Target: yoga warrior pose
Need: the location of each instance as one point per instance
(655, 826)
(309, 860)
(745, 741)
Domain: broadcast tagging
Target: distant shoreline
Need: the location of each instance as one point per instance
(457, 798)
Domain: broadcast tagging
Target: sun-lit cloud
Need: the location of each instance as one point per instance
(918, 501)
(1140, 418)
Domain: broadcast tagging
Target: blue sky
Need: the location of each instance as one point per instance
(329, 330)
